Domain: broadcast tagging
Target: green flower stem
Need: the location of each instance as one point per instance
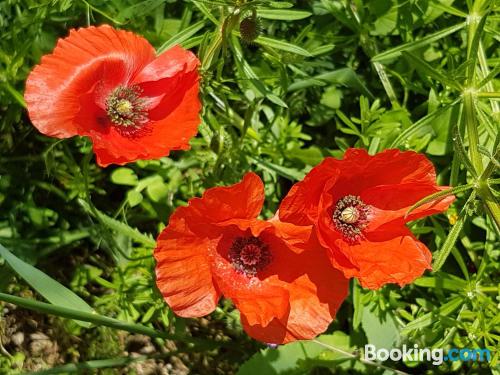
(358, 358)
(439, 195)
(483, 63)
(472, 132)
(492, 205)
(488, 94)
(475, 19)
(15, 94)
(94, 318)
(489, 289)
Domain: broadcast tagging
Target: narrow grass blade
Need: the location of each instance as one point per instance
(428, 70)
(461, 152)
(90, 317)
(15, 94)
(282, 45)
(452, 237)
(290, 173)
(181, 37)
(87, 366)
(430, 318)
(283, 14)
(50, 289)
(421, 126)
(395, 52)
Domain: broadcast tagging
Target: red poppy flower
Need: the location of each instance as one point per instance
(284, 288)
(358, 206)
(108, 85)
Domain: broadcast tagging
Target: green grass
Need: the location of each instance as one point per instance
(323, 76)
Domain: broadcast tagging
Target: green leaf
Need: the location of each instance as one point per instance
(449, 243)
(139, 9)
(345, 76)
(442, 281)
(428, 70)
(290, 173)
(461, 152)
(91, 317)
(281, 4)
(332, 97)
(322, 49)
(438, 196)
(357, 304)
(283, 15)
(282, 45)
(297, 357)
(118, 226)
(395, 52)
(124, 176)
(421, 127)
(134, 198)
(251, 76)
(50, 289)
(381, 330)
(85, 367)
(181, 37)
(433, 316)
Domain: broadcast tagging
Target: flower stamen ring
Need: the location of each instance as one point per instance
(350, 217)
(249, 255)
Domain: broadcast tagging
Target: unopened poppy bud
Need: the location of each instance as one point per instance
(221, 142)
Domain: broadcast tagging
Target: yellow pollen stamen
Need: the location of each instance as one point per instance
(124, 107)
(349, 215)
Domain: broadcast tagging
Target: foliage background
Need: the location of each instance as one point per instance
(322, 76)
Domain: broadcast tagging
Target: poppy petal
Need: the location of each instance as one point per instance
(316, 291)
(356, 172)
(392, 255)
(257, 299)
(391, 166)
(243, 200)
(183, 270)
(300, 204)
(392, 202)
(171, 133)
(170, 63)
(86, 56)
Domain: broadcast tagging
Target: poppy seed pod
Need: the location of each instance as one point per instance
(250, 28)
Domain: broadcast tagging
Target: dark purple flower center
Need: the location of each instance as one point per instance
(126, 109)
(350, 217)
(249, 255)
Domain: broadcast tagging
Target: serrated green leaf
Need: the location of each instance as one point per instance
(449, 243)
(119, 226)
